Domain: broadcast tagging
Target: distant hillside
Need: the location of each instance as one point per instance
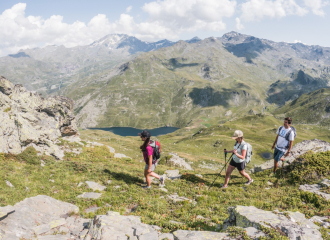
(51, 68)
(313, 108)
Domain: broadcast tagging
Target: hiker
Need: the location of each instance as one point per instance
(283, 142)
(150, 166)
(238, 161)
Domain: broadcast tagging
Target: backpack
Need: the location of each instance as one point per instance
(249, 153)
(287, 135)
(156, 151)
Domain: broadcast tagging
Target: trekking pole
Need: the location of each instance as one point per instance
(225, 159)
(221, 171)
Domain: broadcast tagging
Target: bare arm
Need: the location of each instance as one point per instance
(150, 163)
(275, 142)
(289, 150)
(240, 156)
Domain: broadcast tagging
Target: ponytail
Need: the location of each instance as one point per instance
(143, 147)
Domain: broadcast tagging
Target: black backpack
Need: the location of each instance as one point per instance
(156, 151)
(287, 135)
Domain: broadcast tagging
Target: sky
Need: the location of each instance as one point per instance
(38, 23)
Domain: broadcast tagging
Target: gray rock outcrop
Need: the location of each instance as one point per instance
(27, 119)
(298, 149)
(35, 216)
(315, 188)
(294, 225)
(177, 161)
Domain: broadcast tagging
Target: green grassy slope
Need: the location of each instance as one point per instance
(313, 108)
(97, 164)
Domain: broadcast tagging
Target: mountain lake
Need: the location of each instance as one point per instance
(129, 131)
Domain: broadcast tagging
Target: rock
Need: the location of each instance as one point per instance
(176, 198)
(325, 183)
(52, 180)
(254, 233)
(175, 160)
(117, 187)
(315, 188)
(175, 222)
(4, 211)
(163, 189)
(30, 120)
(149, 236)
(120, 155)
(35, 214)
(270, 183)
(168, 236)
(297, 150)
(199, 175)
(114, 226)
(109, 182)
(111, 149)
(298, 227)
(228, 113)
(92, 209)
(80, 184)
(9, 184)
(91, 195)
(42, 164)
(40, 229)
(95, 186)
(173, 174)
(198, 235)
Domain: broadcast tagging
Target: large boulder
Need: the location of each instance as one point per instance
(27, 119)
(35, 216)
(293, 224)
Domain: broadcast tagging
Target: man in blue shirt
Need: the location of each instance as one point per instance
(283, 142)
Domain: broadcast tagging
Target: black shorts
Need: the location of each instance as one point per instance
(239, 166)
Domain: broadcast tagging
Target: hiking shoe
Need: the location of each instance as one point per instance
(146, 187)
(249, 182)
(224, 187)
(162, 181)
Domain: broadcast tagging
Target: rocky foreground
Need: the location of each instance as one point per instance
(45, 218)
(27, 119)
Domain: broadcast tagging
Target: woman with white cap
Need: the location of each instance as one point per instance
(238, 160)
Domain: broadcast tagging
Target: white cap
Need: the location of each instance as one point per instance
(237, 134)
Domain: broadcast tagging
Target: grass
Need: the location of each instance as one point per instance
(99, 165)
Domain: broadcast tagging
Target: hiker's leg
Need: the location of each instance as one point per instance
(153, 174)
(147, 175)
(275, 166)
(244, 174)
(230, 169)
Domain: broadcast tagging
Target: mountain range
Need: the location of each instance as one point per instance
(122, 81)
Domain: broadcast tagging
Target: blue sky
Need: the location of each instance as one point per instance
(38, 23)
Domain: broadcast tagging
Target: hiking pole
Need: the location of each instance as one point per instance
(225, 159)
(221, 171)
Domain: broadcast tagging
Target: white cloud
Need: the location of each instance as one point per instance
(239, 25)
(191, 15)
(128, 9)
(258, 9)
(167, 19)
(316, 6)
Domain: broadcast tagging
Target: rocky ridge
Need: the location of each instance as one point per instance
(28, 119)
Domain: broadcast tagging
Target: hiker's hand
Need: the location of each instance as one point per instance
(235, 151)
(273, 146)
(149, 170)
(287, 154)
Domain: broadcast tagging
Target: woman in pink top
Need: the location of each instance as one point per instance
(148, 157)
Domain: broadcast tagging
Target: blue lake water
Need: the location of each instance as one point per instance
(128, 131)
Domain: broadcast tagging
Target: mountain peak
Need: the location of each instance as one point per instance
(193, 40)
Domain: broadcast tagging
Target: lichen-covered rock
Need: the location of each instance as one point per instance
(198, 235)
(315, 188)
(27, 119)
(35, 215)
(179, 162)
(295, 226)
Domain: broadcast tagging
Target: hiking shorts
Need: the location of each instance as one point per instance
(239, 166)
(278, 154)
(153, 167)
